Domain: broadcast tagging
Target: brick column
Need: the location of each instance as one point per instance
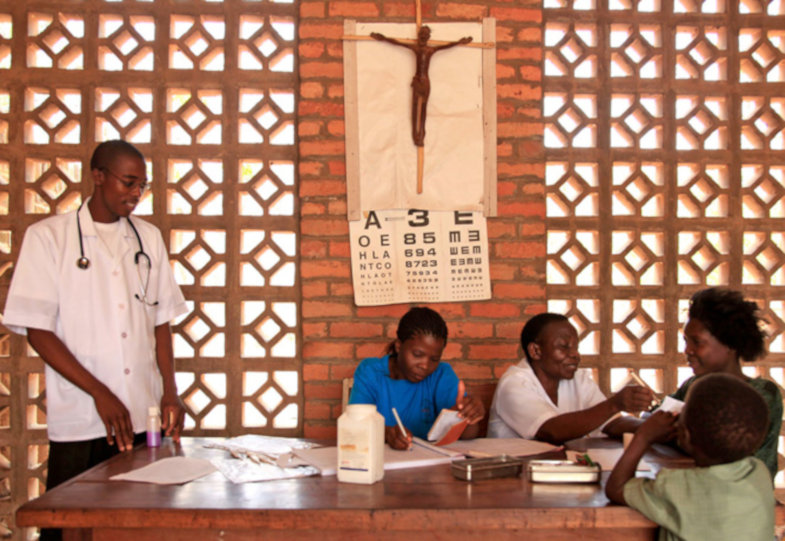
(483, 335)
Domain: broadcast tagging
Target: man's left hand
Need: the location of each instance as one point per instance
(172, 416)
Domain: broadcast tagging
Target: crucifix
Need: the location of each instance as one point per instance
(421, 85)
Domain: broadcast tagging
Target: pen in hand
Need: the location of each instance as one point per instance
(657, 400)
(400, 423)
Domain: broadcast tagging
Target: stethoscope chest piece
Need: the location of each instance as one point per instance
(83, 262)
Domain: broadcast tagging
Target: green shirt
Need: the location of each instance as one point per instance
(771, 394)
(726, 502)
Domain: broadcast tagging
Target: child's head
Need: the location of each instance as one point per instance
(724, 419)
(421, 337)
(731, 320)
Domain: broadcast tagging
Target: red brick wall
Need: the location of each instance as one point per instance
(483, 335)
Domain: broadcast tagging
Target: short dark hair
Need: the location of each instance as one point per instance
(107, 151)
(730, 319)
(533, 328)
(419, 320)
(727, 419)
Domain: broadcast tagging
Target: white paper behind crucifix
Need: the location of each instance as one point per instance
(381, 156)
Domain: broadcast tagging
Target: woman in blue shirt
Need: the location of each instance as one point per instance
(412, 379)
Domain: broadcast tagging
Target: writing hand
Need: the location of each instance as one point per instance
(464, 41)
(172, 416)
(116, 419)
(395, 439)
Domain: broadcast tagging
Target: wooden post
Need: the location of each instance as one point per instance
(420, 150)
(420, 165)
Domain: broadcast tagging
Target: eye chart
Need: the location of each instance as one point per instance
(401, 256)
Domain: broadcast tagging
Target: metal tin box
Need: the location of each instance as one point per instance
(562, 471)
(472, 469)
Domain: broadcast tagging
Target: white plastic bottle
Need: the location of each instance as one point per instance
(153, 427)
(360, 444)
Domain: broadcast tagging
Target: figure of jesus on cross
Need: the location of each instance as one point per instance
(421, 85)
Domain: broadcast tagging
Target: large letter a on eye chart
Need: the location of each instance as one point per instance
(460, 141)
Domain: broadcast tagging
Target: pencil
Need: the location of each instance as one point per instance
(638, 380)
(642, 383)
(400, 423)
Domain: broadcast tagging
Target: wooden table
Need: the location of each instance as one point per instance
(407, 504)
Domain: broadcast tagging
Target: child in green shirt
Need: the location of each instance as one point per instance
(729, 494)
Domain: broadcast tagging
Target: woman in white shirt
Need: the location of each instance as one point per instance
(546, 397)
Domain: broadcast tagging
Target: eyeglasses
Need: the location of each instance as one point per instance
(129, 185)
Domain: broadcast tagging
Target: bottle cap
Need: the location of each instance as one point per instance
(153, 410)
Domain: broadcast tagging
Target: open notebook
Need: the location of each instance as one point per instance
(420, 454)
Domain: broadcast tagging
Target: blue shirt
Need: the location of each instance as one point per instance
(418, 404)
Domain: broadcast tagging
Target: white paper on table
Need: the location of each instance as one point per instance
(671, 405)
(247, 471)
(501, 446)
(269, 445)
(606, 458)
(433, 447)
(326, 458)
(241, 468)
(174, 470)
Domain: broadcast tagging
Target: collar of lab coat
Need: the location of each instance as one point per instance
(88, 226)
(88, 230)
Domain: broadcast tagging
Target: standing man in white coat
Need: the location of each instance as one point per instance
(94, 293)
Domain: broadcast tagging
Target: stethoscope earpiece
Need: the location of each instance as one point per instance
(82, 262)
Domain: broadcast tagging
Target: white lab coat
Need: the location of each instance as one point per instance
(521, 405)
(95, 314)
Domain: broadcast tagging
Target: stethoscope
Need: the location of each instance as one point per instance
(83, 263)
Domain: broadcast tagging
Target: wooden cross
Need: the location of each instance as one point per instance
(423, 51)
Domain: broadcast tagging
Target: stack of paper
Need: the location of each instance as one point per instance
(174, 470)
(261, 458)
